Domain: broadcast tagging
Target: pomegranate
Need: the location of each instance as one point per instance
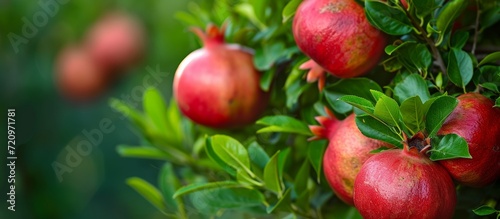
(476, 120)
(404, 183)
(116, 42)
(336, 35)
(218, 85)
(78, 76)
(347, 150)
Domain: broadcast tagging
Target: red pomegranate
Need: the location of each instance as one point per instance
(78, 76)
(218, 85)
(404, 183)
(347, 150)
(116, 41)
(477, 121)
(336, 35)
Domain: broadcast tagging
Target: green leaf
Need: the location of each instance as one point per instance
(490, 58)
(148, 191)
(174, 123)
(497, 102)
(355, 86)
(205, 186)
(282, 158)
(272, 177)
(142, 152)
(448, 15)
(169, 183)
(155, 108)
(359, 102)
(449, 147)
(484, 210)
(413, 114)
(243, 178)
(266, 57)
(460, 68)
(283, 202)
(259, 8)
(387, 110)
(247, 10)
(258, 155)
(282, 123)
(135, 116)
(386, 18)
(315, 151)
(302, 177)
(290, 9)
(412, 85)
(423, 7)
(373, 128)
(231, 152)
(490, 86)
(438, 112)
(459, 39)
(294, 91)
(377, 95)
(215, 199)
(267, 79)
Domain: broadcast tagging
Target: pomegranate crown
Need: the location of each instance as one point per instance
(212, 35)
(327, 126)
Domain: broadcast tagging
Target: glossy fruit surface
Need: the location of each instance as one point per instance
(336, 35)
(218, 85)
(478, 122)
(403, 183)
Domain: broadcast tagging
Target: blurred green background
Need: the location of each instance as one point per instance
(47, 123)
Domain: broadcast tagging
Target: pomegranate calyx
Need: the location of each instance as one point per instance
(327, 126)
(212, 36)
(316, 73)
(418, 141)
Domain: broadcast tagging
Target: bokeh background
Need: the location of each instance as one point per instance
(47, 122)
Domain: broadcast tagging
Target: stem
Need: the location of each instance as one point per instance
(476, 29)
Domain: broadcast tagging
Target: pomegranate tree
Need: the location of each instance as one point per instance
(336, 35)
(477, 121)
(404, 183)
(347, 150)
(218, 85)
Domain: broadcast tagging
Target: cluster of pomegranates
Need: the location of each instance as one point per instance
(111, 46)
(391, 183)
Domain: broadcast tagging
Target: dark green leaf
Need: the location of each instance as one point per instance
(169, 183)
(294, 91)
(283, 202)
(356, 86)
(282, 159)
(148, 191)
(412, 85)
(315, 151)
(484, 210)
(258, 155)
(205, 186)
(448, 15)
(415, 57)
(423, 7)
(460, 68)
(218, 198)
(290, 9)
(438, 112)
(266, 57)
(266, 79)
(497, 102)
(490, 58)
(155, 108)
(282, 123)
(449, 147)
(413, 114)
(247, 10)
(302, 177)
(459, 39)
(272, 177)
(373, 128)
(490, 86)
(386, 18)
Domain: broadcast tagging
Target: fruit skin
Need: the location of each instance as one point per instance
(476, 120)
(218, 86)
(347, 150)
(403, 183)
(338, 37)
(116, 41)
(78, 77)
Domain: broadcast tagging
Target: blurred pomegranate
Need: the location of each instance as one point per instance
(218, 85)
(79, 78)
(116, 41)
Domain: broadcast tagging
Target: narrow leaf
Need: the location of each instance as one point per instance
(148, 191)
(282, 123)
(490, 58)
(205, 186)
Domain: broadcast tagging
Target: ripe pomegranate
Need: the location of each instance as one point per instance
(116, 41)
(476, 120)
(78, 76)
(336, 35)
(218, 85)
(347, 150)
(404, 183)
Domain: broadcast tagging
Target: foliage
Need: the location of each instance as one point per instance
(271, 168)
